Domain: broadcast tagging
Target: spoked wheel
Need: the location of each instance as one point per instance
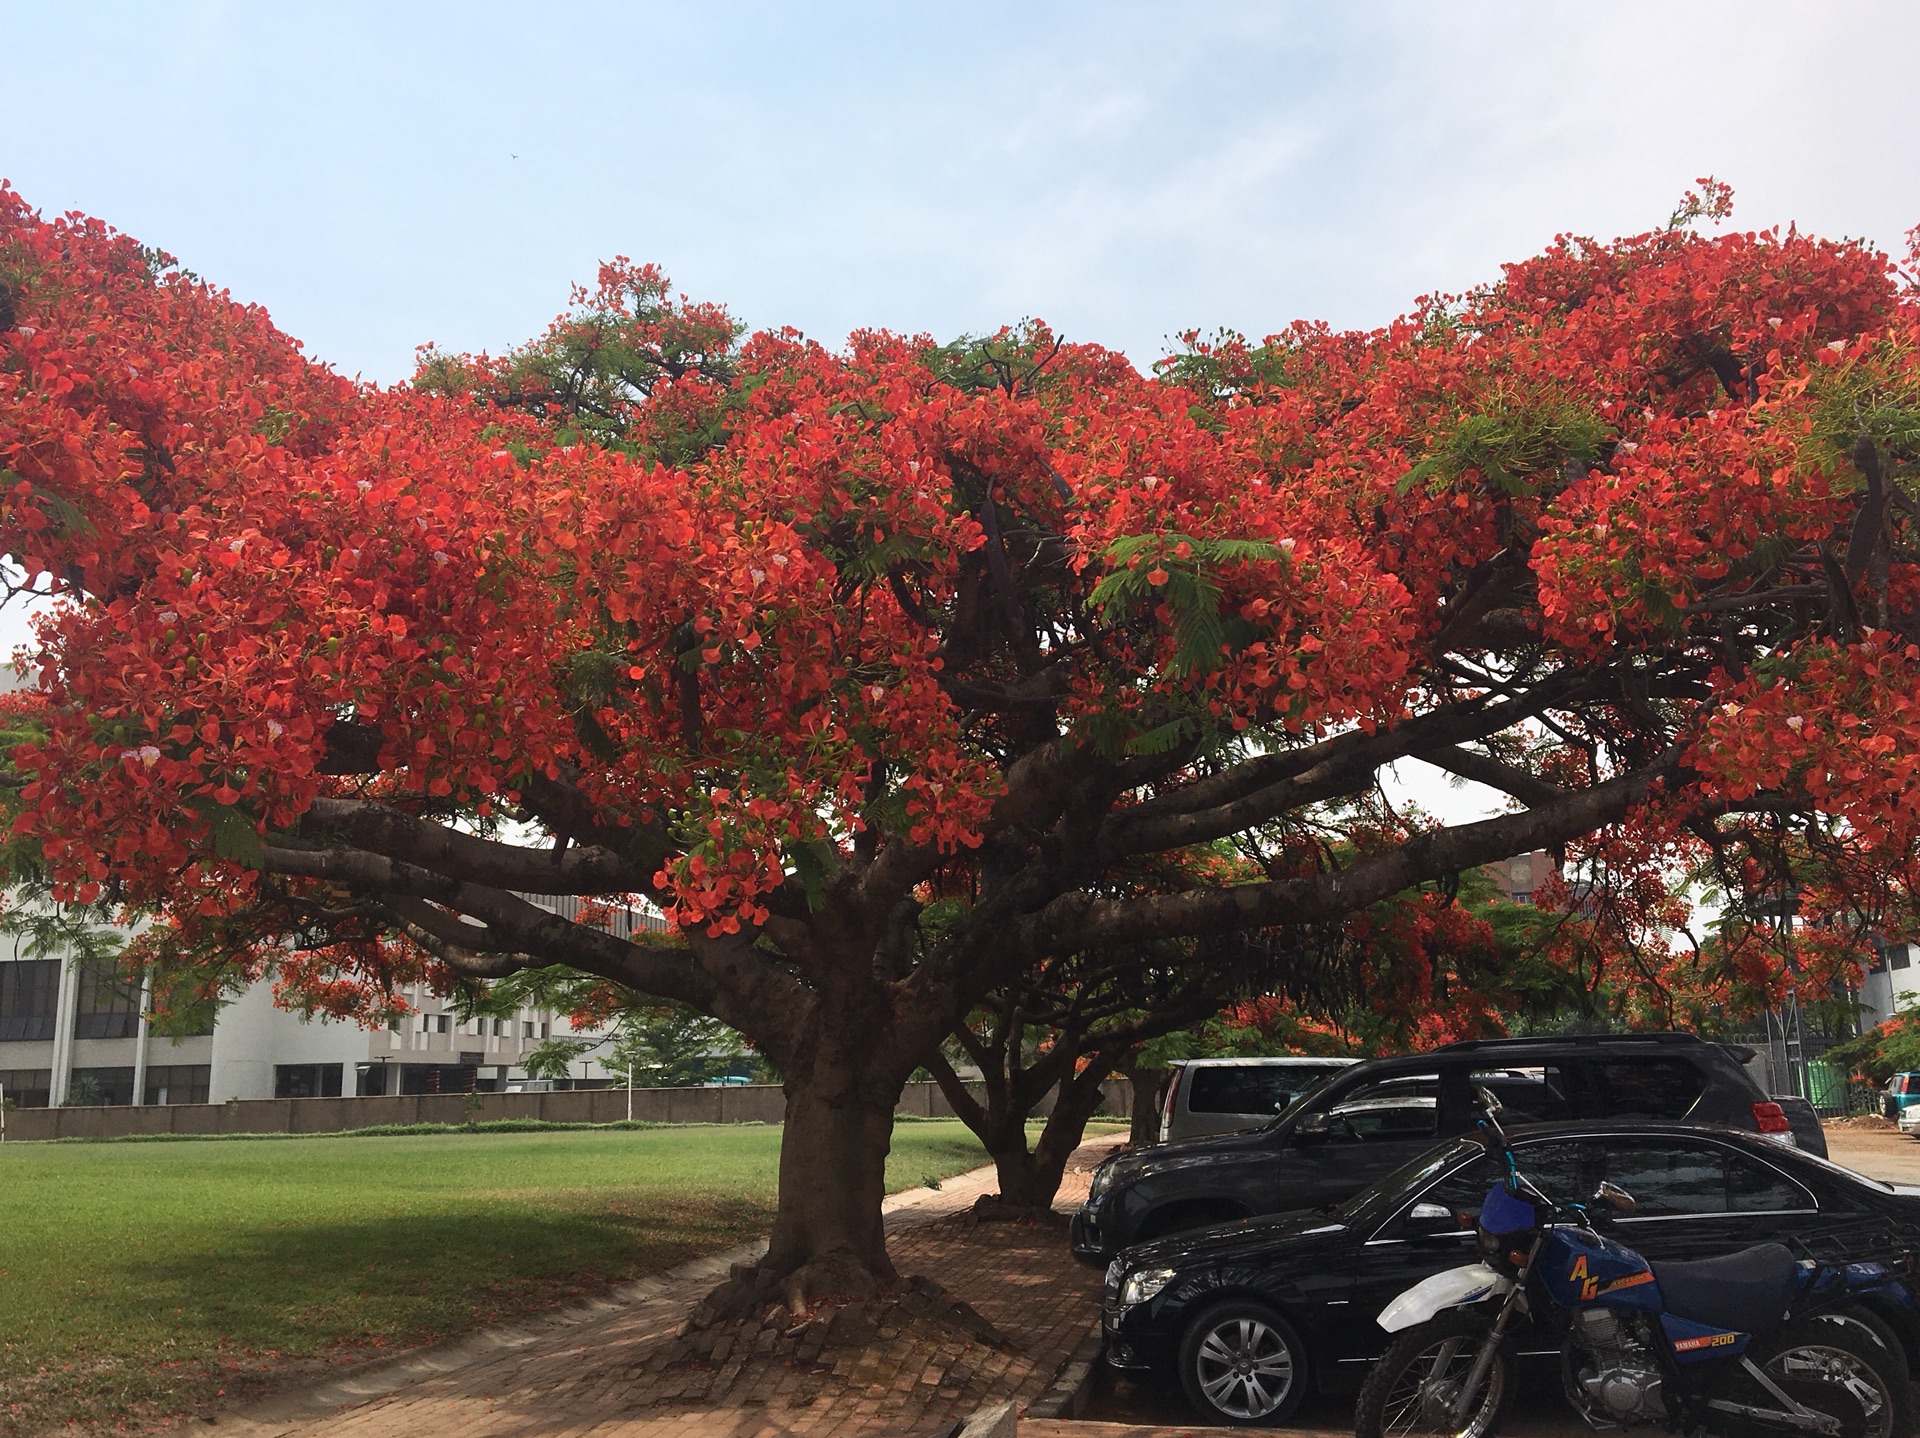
(1242, 1363)
(1414, 1390)
(1840, 1369)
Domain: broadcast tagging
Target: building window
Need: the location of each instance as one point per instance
(29, 998)
(109, 1006)
(27, 1088)
(179, 1083)
(526, 1028)
(100, 1086)
(370, 1080)
(543, 1030)
(1523, 896)
(446, 1023)
(437, 1078)
(306, 1080)
(1900, 956)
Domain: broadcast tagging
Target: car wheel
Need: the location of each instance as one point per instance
(1242, 1363)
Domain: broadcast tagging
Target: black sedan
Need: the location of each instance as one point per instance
(1252, 1315)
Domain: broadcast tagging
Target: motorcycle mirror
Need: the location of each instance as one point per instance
(1490, 1103)
(1611, 1195)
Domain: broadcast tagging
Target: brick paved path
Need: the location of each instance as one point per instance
(622, 1368)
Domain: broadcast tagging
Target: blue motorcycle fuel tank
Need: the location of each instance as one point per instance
(1579, 1267)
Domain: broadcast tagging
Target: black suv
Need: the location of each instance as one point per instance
(1365, 1121)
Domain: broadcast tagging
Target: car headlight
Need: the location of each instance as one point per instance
(1102, 1181)
(1142, 1285)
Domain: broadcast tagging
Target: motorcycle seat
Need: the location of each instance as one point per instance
(1745, 1291)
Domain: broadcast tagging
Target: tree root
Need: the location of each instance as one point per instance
(748, 1313)
(992, 1208)
(751, 1289)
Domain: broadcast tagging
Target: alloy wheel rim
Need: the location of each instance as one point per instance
(1244, 1367)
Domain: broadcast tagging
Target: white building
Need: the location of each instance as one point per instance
(1892, 984)
(72, 1033)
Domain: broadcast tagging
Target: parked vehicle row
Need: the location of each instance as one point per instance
(1304, 1290)
(1358, 1122)
(1373, 1180)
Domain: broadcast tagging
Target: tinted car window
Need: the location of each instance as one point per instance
(1667, 1179)
(1253, 1088)
(1404, 1107)
(1553, 1168)
(1387, 1118)
(1529, 1095)
(1643, 1088)
(1754, 1187)
(1373, 1204)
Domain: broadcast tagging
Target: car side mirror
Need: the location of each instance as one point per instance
(1314, 1127)
(1614, 1198)
(1429, 1220)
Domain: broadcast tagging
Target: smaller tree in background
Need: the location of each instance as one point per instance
(1888, 1048)
(1065, 1028)
(657, 1043)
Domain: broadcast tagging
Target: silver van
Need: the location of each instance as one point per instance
(1224, 1095)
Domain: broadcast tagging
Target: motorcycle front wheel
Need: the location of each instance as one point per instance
(1838, 1368)
(1414, 1390)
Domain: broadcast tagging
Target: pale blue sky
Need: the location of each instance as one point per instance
(1123, 170)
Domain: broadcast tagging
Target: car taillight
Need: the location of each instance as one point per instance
(1771, 1118)
(1172, 1105)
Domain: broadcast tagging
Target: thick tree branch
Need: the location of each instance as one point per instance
(1279, 783)
(1529, 789)
(1082, 921)
(576, 870)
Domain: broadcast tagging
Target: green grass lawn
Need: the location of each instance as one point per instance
(143, 1278)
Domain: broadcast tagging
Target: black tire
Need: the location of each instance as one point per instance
(1406, 1391)
(1840, 1367)
(1241, 1363)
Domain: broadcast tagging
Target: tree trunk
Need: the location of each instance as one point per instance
(1029, 1178)
(1077, 1101)
(827, 1236)
(1148, 1084)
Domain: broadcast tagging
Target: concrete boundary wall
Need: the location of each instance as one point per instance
(750, 1103)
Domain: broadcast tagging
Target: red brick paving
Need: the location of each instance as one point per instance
(626, 1372)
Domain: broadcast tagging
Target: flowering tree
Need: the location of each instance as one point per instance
(794, 642)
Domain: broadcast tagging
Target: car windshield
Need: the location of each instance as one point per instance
(1372, 1204)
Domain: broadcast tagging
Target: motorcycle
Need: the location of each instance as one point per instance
(1754, 1343)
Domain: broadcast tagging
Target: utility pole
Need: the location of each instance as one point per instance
(141, 1038)
(629, 1090)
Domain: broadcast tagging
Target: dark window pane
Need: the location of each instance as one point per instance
(1396, 1108)
(1644, 1088)
(1262, 1089)
(178, 1083)
(1754, 1187)
(306, 1080)
(1670, 1178)
(27, 1088)
(29, 998)
(1530, 1095)
(1553, 1168)
(100, 1086)
(109, 1007)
